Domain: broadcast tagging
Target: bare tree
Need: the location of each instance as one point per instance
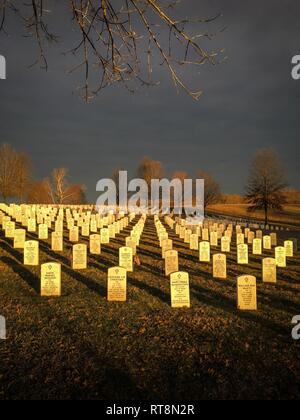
(266, 183)
(61, 191)
(38, 193)
(43, 192)
(8, 162)
(212, 191)
(75, 194)
(181, 175)
(23, 174)
(14, 172)
(150, 169)
(120, 39)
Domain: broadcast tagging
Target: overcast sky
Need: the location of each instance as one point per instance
(249, 102)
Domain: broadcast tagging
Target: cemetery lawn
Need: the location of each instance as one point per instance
(80, 346)
(289, 216)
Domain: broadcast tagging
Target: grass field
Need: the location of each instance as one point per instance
(81, 346)
(289, 215)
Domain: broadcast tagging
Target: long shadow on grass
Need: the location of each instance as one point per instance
(91, 284)
(31, 279)
(221, 302)
(154, 291)
(13, 252)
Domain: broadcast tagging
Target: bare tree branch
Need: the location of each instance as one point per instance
(121, 39)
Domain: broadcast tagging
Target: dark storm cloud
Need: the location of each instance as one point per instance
(249, 102)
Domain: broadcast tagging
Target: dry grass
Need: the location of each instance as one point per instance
(81, 346)
(290, 215)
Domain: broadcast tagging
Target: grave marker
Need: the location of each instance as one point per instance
(269, 270)
(246, 293)
(117, 284)
(31, 253)
(180, 290)
(219, 266)
(51, 279)
(79, 260)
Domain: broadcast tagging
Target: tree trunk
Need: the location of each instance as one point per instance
(266, 215)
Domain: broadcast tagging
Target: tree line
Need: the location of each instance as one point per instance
(17, 182)
(265, 189)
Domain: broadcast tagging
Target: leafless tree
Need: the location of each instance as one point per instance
(181, 175)
(38, 193)
(8, 162)
(15, 171)
(61, 191)
(119, 40)
(23, 175)
(212, 191)
(266, 183)
(150, 169)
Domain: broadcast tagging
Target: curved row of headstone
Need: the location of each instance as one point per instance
(208, 234)
(33, 221)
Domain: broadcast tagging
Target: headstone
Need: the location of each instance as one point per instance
(269, 270)
(187, 236)
(117, 284)
(205, 235)
(246, 293)
(10, 229)
(182, 232)
(79, 261)
(111, 231)
(57, 243)
(240, 239)
(51, 279)
(95, 244)
(126, 258)
(104, 236)
(180, 290)
(31, 253)
(43, 232)
(289, 248)
(214, 239)
(204, 251)
(219, 266)
(225, 244)
(171, 262)
(280, 256)
(194, 242)
(267, 242)
(167, 245)
(19, 238)
(85, 230)
(257, 246)
(31, 225)
(243, 254)
(131, 243)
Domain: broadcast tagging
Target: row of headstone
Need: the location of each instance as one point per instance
(117, 276)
